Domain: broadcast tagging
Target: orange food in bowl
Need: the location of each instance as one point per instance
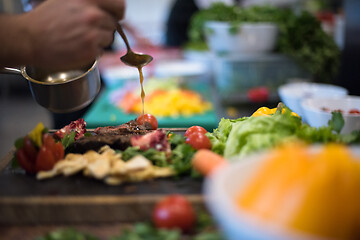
(314, 191)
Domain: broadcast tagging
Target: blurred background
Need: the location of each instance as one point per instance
(189, 52)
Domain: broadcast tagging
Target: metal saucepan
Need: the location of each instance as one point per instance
(61, 92)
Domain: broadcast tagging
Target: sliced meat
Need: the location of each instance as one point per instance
(117, 137)
(126, 128)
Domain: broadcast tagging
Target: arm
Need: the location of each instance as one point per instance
(15, 50)
(59, 34)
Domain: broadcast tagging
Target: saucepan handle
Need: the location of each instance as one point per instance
(10, 70)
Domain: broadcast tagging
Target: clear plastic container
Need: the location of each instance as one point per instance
(235, 75)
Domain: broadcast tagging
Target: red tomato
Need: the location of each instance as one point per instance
(48, 141)
(174, 211)
(354, 111)
(30, 150)
(194, 129)
(258, 94)
(148, 118)
(198, 141)
(58, 151)
(24, 162)
(45, 159)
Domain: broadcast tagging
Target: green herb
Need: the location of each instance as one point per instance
(176, 139)
(67, 234)
(68, 139)
(181, 159)
(87, 134)
(19, 143)
(14, 162)
(158, 158)
(337, 121)
(181, 155)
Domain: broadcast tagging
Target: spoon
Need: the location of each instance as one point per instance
(130, 58)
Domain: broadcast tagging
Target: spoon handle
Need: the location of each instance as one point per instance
(122, 34)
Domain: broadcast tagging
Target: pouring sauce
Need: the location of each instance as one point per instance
(135, 60)
(142, 90)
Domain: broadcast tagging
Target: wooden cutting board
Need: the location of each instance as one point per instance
(77, 199)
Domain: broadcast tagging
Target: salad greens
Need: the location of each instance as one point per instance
(301, 35)
(246, 135)
(181, 155)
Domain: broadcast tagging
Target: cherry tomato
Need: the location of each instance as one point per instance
(198, 141)
(48, 141)
(58, 151)
(30, 149)
(45, 159)
(148, 118)
(354, 111)
(174, 211)
(24, 162)
(194, 129)
(258, 94)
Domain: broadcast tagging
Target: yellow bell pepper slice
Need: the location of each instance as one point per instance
(36, 134)
(265, 111)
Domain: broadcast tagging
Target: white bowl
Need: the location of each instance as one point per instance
(248, 38)
(292, 94)
(316, 116)
(221, 190)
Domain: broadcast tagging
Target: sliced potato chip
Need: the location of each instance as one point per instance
(137, 163)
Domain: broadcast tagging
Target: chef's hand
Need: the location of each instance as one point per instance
(67, 34)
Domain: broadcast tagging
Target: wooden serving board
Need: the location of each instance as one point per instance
(78, 199)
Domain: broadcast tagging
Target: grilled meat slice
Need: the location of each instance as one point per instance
(126, 128)
(117, 137)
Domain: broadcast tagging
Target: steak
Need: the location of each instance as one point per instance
(117, 137)
(126, 128)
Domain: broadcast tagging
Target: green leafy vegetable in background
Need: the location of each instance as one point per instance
(301, 35)
(302, 38)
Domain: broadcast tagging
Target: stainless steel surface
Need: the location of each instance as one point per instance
(130, 58)
(62, 92)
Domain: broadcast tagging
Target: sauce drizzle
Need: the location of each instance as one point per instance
(142, 92)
